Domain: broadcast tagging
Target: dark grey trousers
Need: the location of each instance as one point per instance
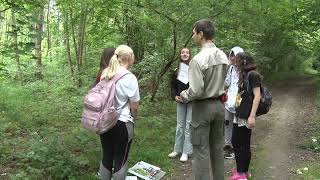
(207, 139)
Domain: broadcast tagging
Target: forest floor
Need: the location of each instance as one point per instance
(277, 137)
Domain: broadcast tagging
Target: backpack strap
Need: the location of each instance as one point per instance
(119, 75)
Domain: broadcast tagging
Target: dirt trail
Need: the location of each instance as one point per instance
(276, 138)
(284, 128)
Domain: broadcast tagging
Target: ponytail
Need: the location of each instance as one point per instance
(113, 67)
(119, 57)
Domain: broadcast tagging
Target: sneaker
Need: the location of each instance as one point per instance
(229, 155)
(173, 154)
(184, 157)
(239, 176)
(248, 175)
(98, 175)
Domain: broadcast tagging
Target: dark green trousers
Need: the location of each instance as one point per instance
(207, 139)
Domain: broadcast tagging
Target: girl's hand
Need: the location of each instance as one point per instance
(252, 122)
(178, 99)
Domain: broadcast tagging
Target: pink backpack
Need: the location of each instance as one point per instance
(99, 112)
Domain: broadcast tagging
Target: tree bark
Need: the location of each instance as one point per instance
(15, 46)
(74, 36)
(2, 25)
(82, 29)
(67, 44)
(38, 41)
(57, 39)
(48, 29)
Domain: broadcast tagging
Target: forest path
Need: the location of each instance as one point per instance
(277, 135)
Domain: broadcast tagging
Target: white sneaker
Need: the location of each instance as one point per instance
(173, 154)
(184, 157)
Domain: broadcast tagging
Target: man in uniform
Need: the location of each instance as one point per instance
(207, 72)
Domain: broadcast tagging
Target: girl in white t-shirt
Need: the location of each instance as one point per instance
(117, 141)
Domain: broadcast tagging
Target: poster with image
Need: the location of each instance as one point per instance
(146, 171)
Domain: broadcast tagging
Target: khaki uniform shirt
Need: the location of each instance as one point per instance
(207, 72)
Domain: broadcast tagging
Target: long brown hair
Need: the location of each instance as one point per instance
(244, 64)
(104, 62)
(106, 55)
(180, 60)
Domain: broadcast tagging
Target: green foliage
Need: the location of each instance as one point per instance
(40, 117)
(308, 171)
(154, 134)
(42, 137)
(3, 71)
(42, 132)
(313, 143)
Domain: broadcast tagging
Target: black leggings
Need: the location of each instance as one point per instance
(241, 144)
(116, 145)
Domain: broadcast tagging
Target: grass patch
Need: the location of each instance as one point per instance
(257, 162)
(308, 171)
(307, 68)
(313, 143)
(42, 137)
(154, 134)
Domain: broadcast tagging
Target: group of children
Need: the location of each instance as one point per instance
(242, 86)
(241, 77)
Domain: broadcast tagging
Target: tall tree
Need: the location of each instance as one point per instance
(67, 44)
(14, 31)
(48, 28)
(38, 40)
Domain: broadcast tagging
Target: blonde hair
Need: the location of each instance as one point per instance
(119, 58)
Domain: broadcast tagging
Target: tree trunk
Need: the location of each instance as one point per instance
(7, 28)
(67, 44)
(15, 46)
(74, 37)
(79, 43)
(38, 41)
(2, 24)
(48, 29)
(57, 42)
(82, 29)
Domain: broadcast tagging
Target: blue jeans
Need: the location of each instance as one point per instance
(228, 116)
(183, 136)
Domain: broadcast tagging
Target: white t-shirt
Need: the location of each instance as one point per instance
(127, 89)
(231, 82)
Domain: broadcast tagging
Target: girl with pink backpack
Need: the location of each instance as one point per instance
(116, 142)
